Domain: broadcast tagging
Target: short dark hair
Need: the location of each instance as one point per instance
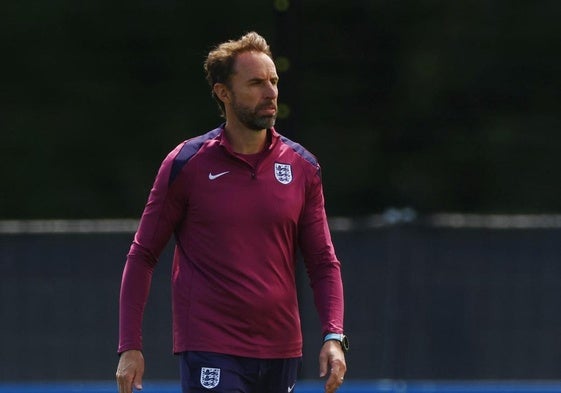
(219, 64)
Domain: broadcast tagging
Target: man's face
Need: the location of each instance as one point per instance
(254, 91)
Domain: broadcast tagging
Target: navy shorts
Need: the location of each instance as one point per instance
(204, 371)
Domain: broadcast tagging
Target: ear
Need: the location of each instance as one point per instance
(221, 91)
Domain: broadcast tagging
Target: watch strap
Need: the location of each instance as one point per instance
(340, 338)
(333, 336)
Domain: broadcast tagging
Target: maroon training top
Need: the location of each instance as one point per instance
(237, 225)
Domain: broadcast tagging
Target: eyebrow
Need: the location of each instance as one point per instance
(257, 79)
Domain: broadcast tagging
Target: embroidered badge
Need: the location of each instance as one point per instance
(210, 377)
(283, 173)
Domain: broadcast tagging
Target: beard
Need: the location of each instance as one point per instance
(250, 118)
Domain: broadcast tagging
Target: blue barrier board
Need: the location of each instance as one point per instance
(379, 386)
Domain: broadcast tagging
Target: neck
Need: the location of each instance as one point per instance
(245, 141)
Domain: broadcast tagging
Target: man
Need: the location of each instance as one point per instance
(239, 200)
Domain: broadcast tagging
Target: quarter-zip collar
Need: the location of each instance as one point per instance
(273, 138)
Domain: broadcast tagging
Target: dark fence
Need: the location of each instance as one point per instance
(424, 300)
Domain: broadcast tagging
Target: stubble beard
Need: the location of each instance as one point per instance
(249, 117)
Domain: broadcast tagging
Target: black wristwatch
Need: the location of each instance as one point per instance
(341, 338)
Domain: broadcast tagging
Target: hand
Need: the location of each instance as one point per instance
(332, 358)
(130, 371)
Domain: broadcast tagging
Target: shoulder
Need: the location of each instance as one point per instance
(190, 147)
(186, 150)
(303, 157)
(300, 151)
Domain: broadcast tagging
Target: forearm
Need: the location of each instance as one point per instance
(328, 296)
(135, 287)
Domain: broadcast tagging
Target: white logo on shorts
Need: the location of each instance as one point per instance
(210, 377)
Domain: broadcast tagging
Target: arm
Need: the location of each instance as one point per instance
(163, 211)
(324, 271)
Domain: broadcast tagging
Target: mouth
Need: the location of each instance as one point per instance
(268, 110)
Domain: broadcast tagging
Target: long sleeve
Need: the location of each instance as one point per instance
(164, 209)
(323, 267)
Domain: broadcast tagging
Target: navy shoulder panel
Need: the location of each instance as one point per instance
(301, 151)
(188, 150)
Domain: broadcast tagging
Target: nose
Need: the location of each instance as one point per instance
(271, 90)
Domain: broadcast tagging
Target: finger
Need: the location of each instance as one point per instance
(323, 364)
(137, 382)
(333, 383)
(124, 383)
(336, 376)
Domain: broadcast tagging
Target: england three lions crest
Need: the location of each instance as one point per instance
(283, 173)
(210, 377)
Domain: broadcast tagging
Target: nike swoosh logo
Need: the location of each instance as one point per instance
(290, 389)
(212, 177)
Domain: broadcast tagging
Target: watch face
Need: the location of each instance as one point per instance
(345, 343)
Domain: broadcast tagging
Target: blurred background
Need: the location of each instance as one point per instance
(437, 105)
(436, 124)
